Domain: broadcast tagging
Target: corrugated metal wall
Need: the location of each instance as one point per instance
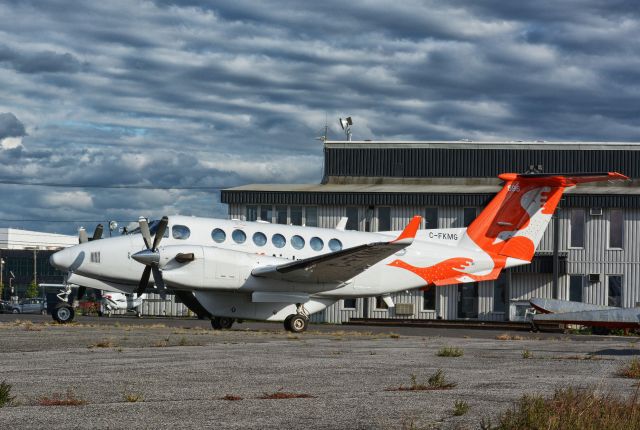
(429, 162)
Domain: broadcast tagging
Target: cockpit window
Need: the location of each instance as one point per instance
(153, 227)
(181, 232)
(218, 235)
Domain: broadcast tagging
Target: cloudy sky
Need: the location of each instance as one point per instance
(223, 93)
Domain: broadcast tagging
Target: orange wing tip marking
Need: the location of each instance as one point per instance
(508, 176)
(617, 176)
(409, 231)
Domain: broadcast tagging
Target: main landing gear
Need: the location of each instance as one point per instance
(222, 323)
(298, 322)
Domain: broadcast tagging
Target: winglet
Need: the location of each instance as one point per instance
(409, 232)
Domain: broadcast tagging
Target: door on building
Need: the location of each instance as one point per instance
(468, 300)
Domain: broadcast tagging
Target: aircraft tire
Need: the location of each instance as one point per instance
(215, 323)
(287, 323)
(226, 323)
(63, 313)
(298, 323)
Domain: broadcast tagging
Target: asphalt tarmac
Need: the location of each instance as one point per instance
(160, 373)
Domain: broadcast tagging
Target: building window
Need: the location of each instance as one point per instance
(311, 216)
(576, 282)
(252, 213)
(352, 215)
(384, 219)
(615, 290)
(281, 214)
(577, 228)
(349, 304)
(380, 304)
(266, 213)
(468, 300)
(500, 293)
(616, 228)
(296, 215)
(429, 298)
(431, 218)
(469, 215)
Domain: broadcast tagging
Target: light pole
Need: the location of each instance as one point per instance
(11, 278)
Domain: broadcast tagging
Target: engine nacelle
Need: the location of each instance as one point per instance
(210, 267)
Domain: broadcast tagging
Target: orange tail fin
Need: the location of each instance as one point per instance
(513, 223)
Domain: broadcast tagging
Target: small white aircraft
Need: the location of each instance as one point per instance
(232, 269)
(112, 301)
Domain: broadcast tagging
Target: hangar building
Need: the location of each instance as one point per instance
(380, 185)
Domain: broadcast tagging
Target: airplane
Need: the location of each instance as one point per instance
(601, 316)
(112, 301)
(232, 270)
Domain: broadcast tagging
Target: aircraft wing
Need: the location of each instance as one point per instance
(340, 266)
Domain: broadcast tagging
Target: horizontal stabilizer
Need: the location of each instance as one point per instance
(340, 266)
(610, 318)
(553, 306)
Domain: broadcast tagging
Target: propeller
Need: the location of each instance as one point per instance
(84, 238)
(150, 257)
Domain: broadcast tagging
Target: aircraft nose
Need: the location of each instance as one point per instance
(62, 259)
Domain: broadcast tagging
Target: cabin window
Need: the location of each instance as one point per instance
(316, 244)
(311, 216)
(297, 242)
(616, 228)
(281, 214)
(576, 282)
(296, 215)
(431, 218)
(429, 298)
(349, 304)
(469, 215)
(384, 218)
(238, 236)
(352, 218)
(335, 245)
(181, 232)
(615, 290)
(259, 238)
(252, 213)
(278, 240)
(218, 235)
(577, 228)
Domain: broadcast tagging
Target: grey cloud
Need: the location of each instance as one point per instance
(221, 93)
(10, 126)
(40, 62)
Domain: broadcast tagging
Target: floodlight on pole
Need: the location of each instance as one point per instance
(346, 124)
